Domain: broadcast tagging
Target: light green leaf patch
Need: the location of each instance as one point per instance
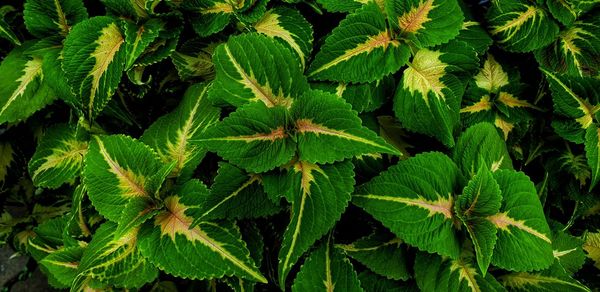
(520, 26)
(63, 264)
(208, 250)
(360, 49)
(256, 68)
(328, 269)
(414, 199)
(115, 261)
(58, 157)
(435, 273)
(427, 99)
(173, 136)
(524, 242)
(22, 87)
(319, 196)
(94, 56)
(46, 18)
(425, 23)
(568, 251)
(552, 279)
(576, 51)
(290, 27)
(119, 169)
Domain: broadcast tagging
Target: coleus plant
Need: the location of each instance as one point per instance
(434, 145)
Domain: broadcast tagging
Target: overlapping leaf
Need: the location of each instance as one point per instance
(364, 97)
(327, 268)
(427, 99)
(576, 51)
(360, 49)
(435, 273)
(94, 56)
(49, 18)
(174, 135)
(481, 144)
(58, 157)
(288, 25)
(524, 242)
(553, 279)
(521, 26)
(119, 169)
(414, 199)
(425, 23)
(207, 250)
(254, 67)
(319, 196)
(23, 89)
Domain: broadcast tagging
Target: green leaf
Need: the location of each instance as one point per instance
(328, 269)
(364, 97)
(94, 57)
(592, 247)
(320, 194)
(194, 59)
(115, 261)
(289, 27)
(360, 49)
(45, 18)
(568, 251)
(138, 9)
(254, 67)
(475, 36)
(520, 26)
(425, 23)
(236, 194)
(7, 155)
(174, 136)
(575, 98)
(523, 234)
(435, 273)
(344, 5)
(371, 282)
(427, 99)
(382, 254)
(553, 279)
(576, 51)
(63, 264)
(479, 144)
(592, 146)
(212, 16)
(58, 157)
(7, 33)
(480, 198)
(209, 250)
(570, 10)
(22, 87)
(119, 169)
(139, 38)
(253, 137)
(328, 130)
(414, 199)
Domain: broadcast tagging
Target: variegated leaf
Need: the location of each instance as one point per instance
(290, 27)
(592, 247)
(7, 33)
(23, 89)
(415, 201)
(425, 23)
(427, 99)
(256, 68)
(47, 18)
(552, 279)
(119, 169)
(327, 269)
(520, 25)
(319, 195)
(360, 49)
(64, 263)
(481, 145)
(524, 242)
(58, 157)
(94, 58)
(174, 135)
(208, 250)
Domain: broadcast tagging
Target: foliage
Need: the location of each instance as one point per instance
(338, 145)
